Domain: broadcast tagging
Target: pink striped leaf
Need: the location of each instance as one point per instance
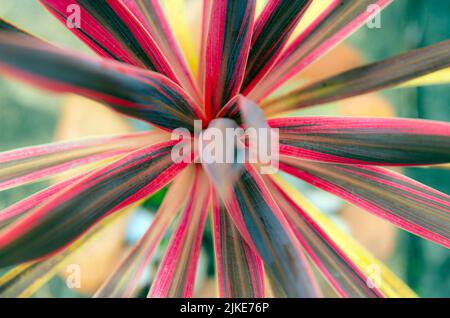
(146, 19)
(365, 79)
(103, 31)
(372, 141)
(271, 33)
(134, 92)
(65, 216)
(336, 23)
(25, 279)
(239, 268)
(124, 281)
(176, 274)
(25, 165)
(227, 47)
(263, 226)
(107, 31)
(345, 276)
(404, 202)
(388, 283)
(18, 209)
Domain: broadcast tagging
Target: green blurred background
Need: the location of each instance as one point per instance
(408, 24)
(29, 116)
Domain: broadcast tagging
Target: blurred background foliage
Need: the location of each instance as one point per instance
(29, 116)
(408, 24)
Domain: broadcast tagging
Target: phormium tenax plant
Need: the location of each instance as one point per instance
(268, 239)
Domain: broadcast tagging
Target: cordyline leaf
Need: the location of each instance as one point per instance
(13, 212)
(264, 228)
(227, 47)
(124, 281)
(25, 165)
(106, 31)
(25, 279)
(435, 78)
(239, 269)
(134, 92)
(365, 79)
(271, 33)
(176, 273)
(345, 276)
(65, 216)
(340, 19)
(402, 201)
(373, 141)
(324, 233)
(148, 23)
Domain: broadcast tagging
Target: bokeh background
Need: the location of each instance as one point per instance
(29, 117)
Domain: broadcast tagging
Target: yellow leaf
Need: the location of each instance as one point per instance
(185, 21)
(436, 78)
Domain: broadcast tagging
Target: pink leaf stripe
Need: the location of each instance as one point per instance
(371, 141)
(345, 276)
(25, 165)
(134, 92)
(176, 274)
(147, 19)
(271, 33)
(262, 225)
(365, 79)
(227, 47)
(65, 216)
(398, 199)
(336, 23)
(125, 279)
(239, 269)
